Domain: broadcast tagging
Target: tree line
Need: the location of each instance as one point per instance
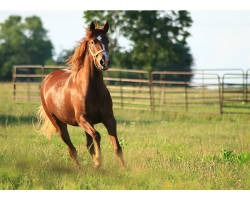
(158, 41)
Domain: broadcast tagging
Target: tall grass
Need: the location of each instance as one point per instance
(162, 151)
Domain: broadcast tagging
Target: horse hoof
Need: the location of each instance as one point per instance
(98, 162)
(98, 166)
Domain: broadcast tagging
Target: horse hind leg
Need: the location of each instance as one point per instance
(63, 131)
(50, 125)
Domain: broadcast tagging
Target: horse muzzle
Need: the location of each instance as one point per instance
(101, 59)
(104, 62)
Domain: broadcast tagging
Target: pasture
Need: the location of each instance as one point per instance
(162, 151)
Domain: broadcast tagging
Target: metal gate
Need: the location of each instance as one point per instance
(200, 95)
(130, 89)
(27, 81)
(156, 91)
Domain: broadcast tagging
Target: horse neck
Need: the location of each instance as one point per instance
(90, 74)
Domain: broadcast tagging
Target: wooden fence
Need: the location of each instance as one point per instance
(27, 80)
(156, 91)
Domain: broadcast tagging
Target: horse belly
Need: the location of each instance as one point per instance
(61, 110)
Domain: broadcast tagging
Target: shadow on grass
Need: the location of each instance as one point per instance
(26, 165)
(10, 119)
(132, 121)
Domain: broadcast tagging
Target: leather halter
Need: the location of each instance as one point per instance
(95, 56)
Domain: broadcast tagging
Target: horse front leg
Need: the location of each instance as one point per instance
(111, 127)
(89, 129)
(97, 139)
(90, 145)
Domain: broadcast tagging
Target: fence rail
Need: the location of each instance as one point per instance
(189, 96)
(127, 92)
(156, 91)
(27, 80)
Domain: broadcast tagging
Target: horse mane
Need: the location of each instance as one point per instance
(77, 59)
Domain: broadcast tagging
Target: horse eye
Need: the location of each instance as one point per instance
(92, 42)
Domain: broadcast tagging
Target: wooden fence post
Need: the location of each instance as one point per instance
(14, 81)
(121, 89)
(186, 96)
(151, 91)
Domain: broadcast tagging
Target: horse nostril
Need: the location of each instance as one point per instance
(102, 62)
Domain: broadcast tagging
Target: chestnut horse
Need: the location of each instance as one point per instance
(79, 97)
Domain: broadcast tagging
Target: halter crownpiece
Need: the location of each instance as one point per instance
(95, 56)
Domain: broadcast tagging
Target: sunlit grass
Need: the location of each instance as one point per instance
(162, 151)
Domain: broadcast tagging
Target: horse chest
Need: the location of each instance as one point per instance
(93, 103)
(97, 105)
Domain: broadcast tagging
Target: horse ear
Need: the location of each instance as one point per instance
(92, 26)
(106, 27)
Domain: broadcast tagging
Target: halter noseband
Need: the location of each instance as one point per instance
(95, 55)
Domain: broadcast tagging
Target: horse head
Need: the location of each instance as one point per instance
(96, 43)
(98, 46)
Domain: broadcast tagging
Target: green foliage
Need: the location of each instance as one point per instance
(228, 157)
(23, 43)
(158, 37)
(63, 56)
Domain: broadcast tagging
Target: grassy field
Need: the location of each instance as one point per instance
(163, 151)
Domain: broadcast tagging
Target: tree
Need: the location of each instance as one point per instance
(65, 54)
(23, 43)
(39, 47)
(159, 38)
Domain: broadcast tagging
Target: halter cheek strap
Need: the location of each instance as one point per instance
(96, 54)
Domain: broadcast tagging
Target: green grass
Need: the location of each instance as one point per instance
(163, 151)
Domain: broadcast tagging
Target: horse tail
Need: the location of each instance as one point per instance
(47, 128)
